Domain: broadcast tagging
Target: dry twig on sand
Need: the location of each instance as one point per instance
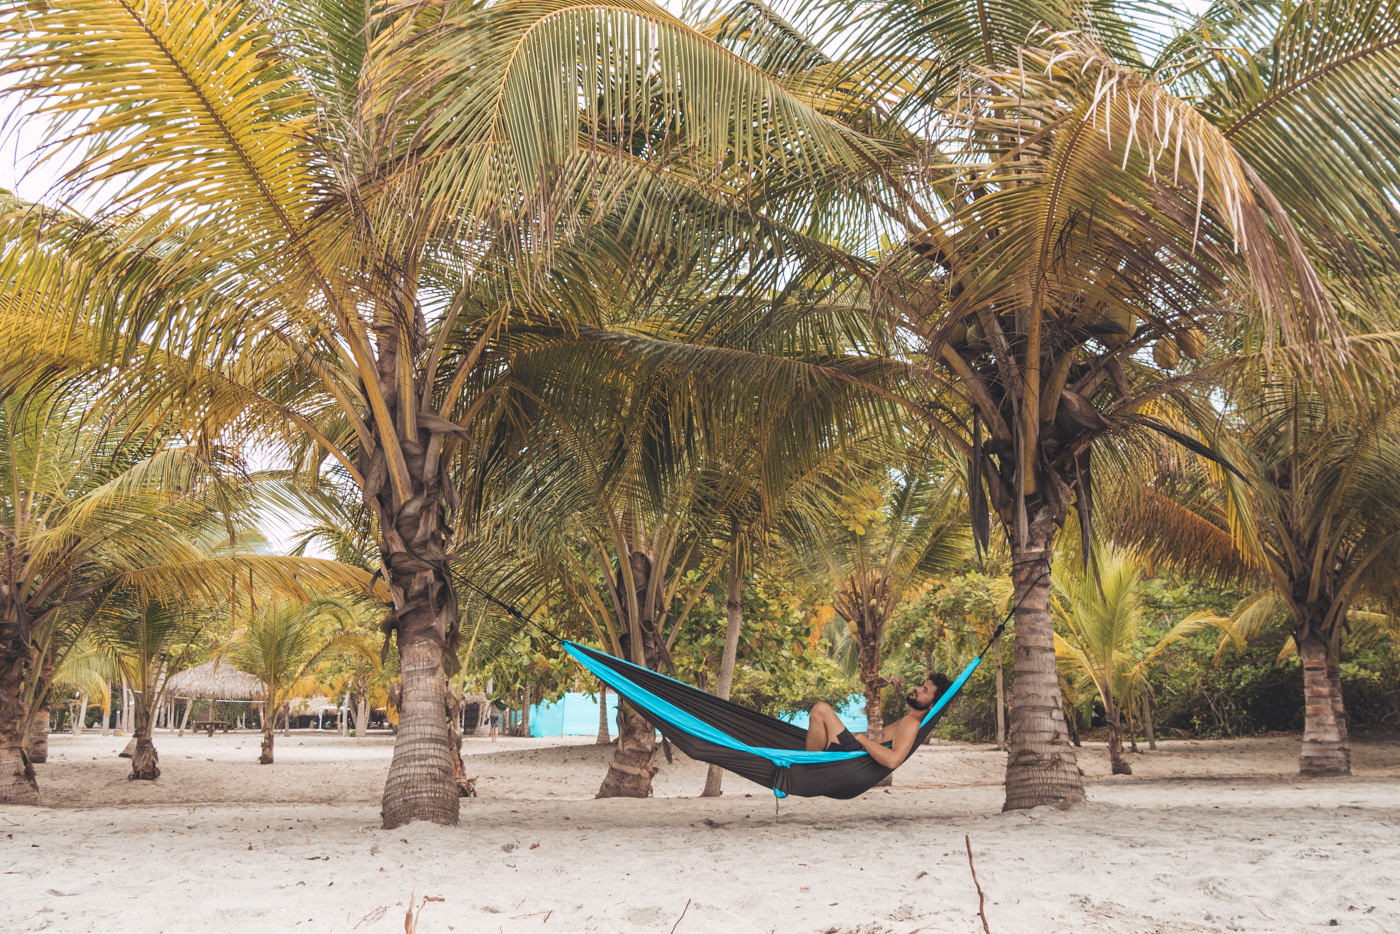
(411, 919)
(981, 899)
(678, 920)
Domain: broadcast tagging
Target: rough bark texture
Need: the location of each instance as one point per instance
(733, 622)
(1041, 766)
(1117, 763)
(1324, 748)
(863, 601)
(82, 706)
(633, 764)
(269, 737)
(603, 737)
(413, 550)
(421, 783)
(144, 761)
(17, 783)
(466, 787)
(873, 683)
(361, 717)
(1001, 698)
(1339, 710)
(36, 736)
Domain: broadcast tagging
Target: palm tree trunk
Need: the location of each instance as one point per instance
(144, 761)
(1001, 698)
(107, 710)
(420, 785)
(733, 622)
(1147, 718)
(17, 783)
(525, 700)
(185, 717)
(603, 737)
(82, 714)
(1117, 763)
(361, 716)
(1130, 723)
(1041, 766)
(1324, 750)
(870, 679)
(269, 736)
(1339, 710)
(633, 764)
(413, 549)
(36, 736)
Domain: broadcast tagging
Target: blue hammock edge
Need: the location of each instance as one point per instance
(686, 722)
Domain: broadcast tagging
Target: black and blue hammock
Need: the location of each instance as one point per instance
(762, 749)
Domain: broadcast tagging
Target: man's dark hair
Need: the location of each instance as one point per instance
(940, 684)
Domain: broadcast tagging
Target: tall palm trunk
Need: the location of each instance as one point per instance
(869, 640)
(82, 707)
(1147, 716)
(361, 716)
(36, 736)
(1001, 697)
(144, 761)
(268, 721)
(413, 549)
(17, 783)
(36, 730)
(633, 762)
(1040, 765)
(1339, 710)
(603, 737)
(1324, 747)
(733, 622)
(1117, 763)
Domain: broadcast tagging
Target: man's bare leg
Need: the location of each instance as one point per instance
(823, 727)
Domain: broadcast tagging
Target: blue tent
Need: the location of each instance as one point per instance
(576, 714)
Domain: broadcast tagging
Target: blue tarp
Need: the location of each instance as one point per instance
(576, 714)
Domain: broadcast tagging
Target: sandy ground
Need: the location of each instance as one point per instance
(1207, 836)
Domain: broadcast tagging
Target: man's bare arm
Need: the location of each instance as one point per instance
(893, 755)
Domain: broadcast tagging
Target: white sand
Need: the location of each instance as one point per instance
(1208, 836)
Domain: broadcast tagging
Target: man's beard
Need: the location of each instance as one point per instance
(912, 699)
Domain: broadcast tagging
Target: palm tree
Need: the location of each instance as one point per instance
(1102, 636)
(93, 509)
(148, 641)
(1083, 184)
(894, 535)
(1310, 510)
(324, 194)
(281, 647)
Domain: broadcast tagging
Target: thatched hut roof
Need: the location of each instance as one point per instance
(313, 704)
(216, 679)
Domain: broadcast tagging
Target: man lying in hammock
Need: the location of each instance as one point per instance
(827, 732)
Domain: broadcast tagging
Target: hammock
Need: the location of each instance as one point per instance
(762, 749)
